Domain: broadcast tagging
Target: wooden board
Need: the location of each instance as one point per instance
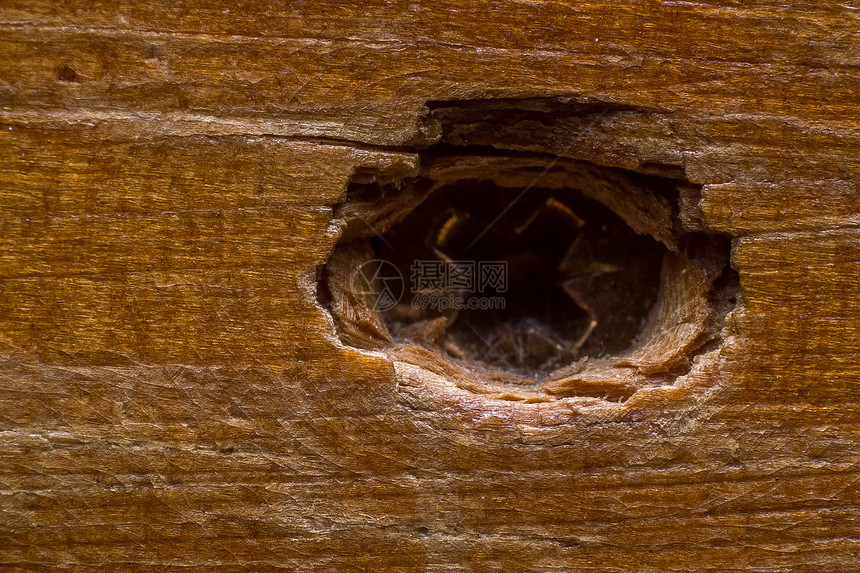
(174, 396)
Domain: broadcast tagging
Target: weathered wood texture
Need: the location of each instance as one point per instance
(173, 397)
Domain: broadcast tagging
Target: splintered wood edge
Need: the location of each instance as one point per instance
(422, 389)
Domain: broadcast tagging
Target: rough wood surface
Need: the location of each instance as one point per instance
(174, 397)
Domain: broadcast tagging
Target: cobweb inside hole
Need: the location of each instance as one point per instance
(526, 284)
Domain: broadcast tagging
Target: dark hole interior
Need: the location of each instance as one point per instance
(578, 281)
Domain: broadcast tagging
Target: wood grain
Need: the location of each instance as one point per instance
(173, 396)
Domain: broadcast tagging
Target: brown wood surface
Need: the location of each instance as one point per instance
(174, 397)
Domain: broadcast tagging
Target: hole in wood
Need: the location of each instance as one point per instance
(529, 277)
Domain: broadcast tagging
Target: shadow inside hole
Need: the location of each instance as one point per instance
(575, 279)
